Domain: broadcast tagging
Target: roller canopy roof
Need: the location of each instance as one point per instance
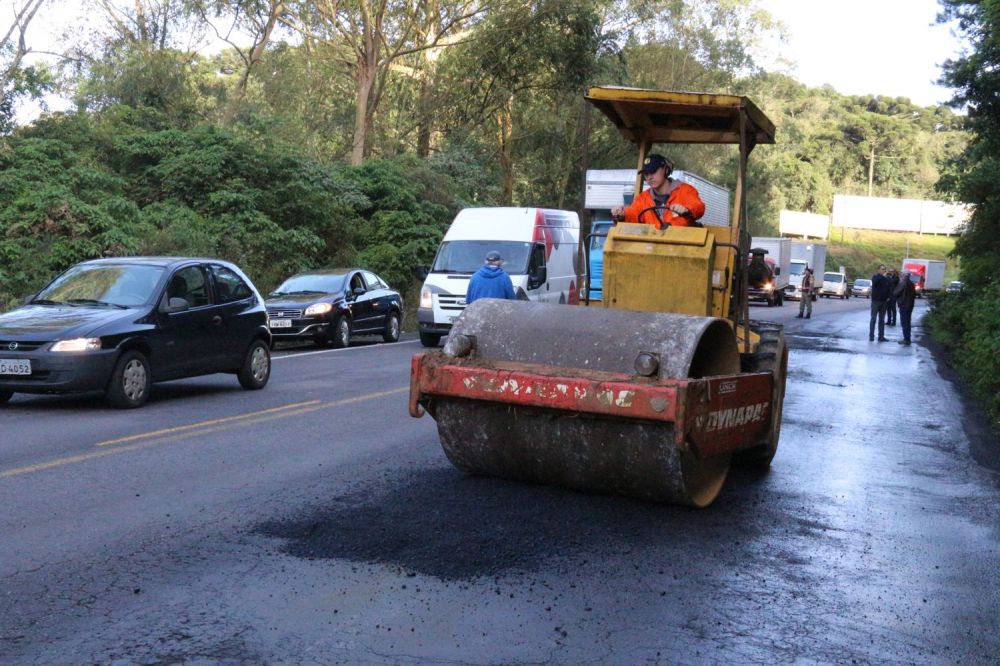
(658, 116)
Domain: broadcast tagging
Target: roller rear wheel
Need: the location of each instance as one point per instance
(771, 356)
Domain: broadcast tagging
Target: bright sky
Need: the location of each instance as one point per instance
(861, 47)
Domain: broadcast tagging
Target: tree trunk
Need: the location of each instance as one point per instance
(505, 124)
(871, 169)
(362, 116)
(256, 54)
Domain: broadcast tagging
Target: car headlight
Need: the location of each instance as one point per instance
(426, 300)
(768, 287)
(318, 309)
(77, 345)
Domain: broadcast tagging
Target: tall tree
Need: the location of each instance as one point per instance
(975, 177)
(16, 80)
(373, 35)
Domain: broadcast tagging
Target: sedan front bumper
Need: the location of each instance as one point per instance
(61, 372)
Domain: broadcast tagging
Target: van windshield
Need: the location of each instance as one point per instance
(797, 268)
(467, 256)
(833, 277)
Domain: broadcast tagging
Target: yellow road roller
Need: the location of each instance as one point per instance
(653, 391)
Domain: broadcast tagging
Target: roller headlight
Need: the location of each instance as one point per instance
(318, 309)
(77, 345)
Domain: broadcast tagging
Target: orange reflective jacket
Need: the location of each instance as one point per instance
(683, 194)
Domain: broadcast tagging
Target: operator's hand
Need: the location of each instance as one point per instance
(679, 209)
(618, 212)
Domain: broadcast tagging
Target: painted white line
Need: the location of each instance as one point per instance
(344, 349)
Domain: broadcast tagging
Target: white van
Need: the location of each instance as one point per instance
(541, 252)
(835, 284)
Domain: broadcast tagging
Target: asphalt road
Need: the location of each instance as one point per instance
(316, 522)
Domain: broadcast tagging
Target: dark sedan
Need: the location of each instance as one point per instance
(117, 325)
(328, 306)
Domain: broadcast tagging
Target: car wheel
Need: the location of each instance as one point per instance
(341, 336)
(5, 396)
(256, 368)
(130, 380)
(430, 339)
(391, 333)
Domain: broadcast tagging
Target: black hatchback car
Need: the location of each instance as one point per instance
(117, 325)
(329, 305)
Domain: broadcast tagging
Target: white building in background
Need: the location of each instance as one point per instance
(908, 215)
(808, 225)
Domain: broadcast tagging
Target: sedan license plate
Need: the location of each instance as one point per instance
(15, 366)
(281, 323)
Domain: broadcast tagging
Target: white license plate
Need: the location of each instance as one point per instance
(15, 366)
(281, 323)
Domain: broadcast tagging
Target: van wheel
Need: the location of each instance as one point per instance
(128, 387)
(256, 368)
(430, 339)
(391, 333)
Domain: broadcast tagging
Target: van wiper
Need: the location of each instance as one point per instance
(91, 301)
(449, 271)
(307, 291)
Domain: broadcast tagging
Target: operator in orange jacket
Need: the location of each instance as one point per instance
(678, 203)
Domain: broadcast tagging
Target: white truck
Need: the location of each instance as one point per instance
(778, 259)
(806, 253)
(926, 274)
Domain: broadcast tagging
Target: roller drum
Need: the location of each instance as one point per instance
(581, 451)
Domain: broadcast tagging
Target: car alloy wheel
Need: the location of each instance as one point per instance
(391, 333)
(342, 333)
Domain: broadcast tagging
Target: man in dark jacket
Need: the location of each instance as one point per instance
(490, 281)
(881, 290)
(890, 307)
(906, 297)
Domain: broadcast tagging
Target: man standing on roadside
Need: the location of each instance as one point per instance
(890, 311)
(805, 294)
(881, 290)
(490, 281)
(906, 298)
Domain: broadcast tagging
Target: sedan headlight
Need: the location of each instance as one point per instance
(77, 345)
(426, 300)
(318, 309)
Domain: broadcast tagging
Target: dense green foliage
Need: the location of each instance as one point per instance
(969, 322)
(247, 154)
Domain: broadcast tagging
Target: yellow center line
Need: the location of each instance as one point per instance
(167, 435)
(201, 424)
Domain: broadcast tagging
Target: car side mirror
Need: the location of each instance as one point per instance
(359, 291)
(175, 305)
(422, 271)
(27, 299)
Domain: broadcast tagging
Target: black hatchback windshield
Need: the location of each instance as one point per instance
(122, 285)
(467, 256)
(314, 283)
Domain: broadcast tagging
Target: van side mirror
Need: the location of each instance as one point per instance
(421, 271)
(537, 277)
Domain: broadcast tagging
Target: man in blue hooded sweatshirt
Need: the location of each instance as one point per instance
(490, 281)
